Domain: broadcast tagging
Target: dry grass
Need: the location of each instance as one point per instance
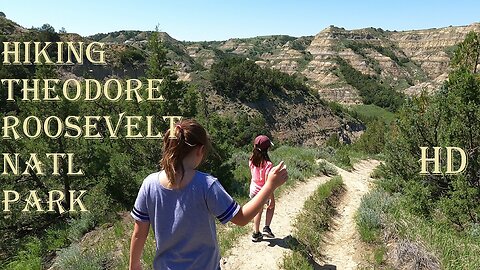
(413, 255)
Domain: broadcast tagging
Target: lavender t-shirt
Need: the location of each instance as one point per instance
(183, 221)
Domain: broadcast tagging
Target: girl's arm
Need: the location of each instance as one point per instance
(139, 236)
(277, 176)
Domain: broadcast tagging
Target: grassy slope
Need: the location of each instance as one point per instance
(428, 242)
(372, 111)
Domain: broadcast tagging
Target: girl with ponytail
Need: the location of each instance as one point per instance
(260, 167)
(181, 204)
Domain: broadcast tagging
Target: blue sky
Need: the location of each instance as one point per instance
(222, 19)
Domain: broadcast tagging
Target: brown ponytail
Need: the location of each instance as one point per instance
(189, 134)
(259, 156)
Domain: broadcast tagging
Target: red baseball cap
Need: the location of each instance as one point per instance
(263, 142)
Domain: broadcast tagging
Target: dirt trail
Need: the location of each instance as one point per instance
(341, 243)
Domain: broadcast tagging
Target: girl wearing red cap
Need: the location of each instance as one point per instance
(260, 166)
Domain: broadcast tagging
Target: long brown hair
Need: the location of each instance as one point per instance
(259, 156)
(188, 135)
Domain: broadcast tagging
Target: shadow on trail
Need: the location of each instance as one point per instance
(325, 267)
(280, 242)
(292, 243)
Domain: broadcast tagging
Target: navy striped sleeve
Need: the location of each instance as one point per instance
(139, 215)
(140, 208)
(220, 203)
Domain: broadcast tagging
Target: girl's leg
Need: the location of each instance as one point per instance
(270, 211)
(256, 221)
(269, 216)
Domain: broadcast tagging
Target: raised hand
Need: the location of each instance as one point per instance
(278, 175)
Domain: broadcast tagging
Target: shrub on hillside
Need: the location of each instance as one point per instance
(371, 91)
(373, 139)
(342, 158)
(371, 215)
(242, 79)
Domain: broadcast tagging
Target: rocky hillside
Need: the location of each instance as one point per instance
(304, 119)
(407, 61)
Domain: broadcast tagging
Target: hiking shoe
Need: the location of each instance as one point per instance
(267, 232)
(257, 237)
